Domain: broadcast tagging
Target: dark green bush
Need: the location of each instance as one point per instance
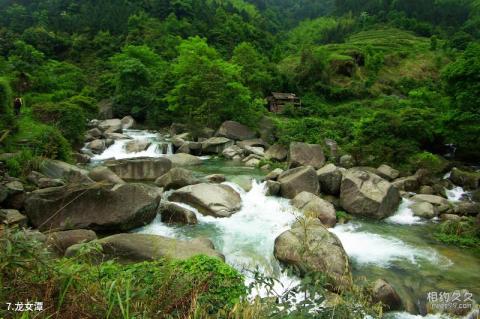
(69, 118)
(6, 109)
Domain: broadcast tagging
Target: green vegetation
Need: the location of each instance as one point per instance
(74, 287)
(367, 72)
(463, 233)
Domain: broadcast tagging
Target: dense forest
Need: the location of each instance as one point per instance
(392, 82)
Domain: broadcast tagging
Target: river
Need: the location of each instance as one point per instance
(400, 249)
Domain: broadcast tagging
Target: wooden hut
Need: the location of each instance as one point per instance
(277, 101)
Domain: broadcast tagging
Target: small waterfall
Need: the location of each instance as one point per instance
(160, 146)
(381, 250)
(456, 194)
(404, 215)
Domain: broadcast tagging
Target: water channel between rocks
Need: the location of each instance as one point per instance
(400, 249)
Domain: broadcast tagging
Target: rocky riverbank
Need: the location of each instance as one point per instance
(65, 206)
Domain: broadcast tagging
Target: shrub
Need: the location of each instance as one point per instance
(22, 163)
(69, 118)
(432, 162)
(6, 109)
(73, 288)
(463, 233)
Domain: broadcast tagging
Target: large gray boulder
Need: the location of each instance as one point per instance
(64, 171)
(216, 145)
(210, 199)
(134, 247)
(136, 146)
(366, 194)
(432, 199)
(297, 180)
(175, 213)
(314, 206)
(330, 179)
(276, 152)
(140, 169)
(128, 122)
(302, 154)
(235, 131)
(60, 241)
(182, 159)
(111, 126)
(120, 207)
(104, 174)
(469, 180)
(97, 146)
(233, 151)
(309, 246)
(176, 178)
(423, 209)
(266, 129)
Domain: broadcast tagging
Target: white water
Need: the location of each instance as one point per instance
(381, 250)
(117, 150)
(404, 215)
(247, 237)
(456, 194)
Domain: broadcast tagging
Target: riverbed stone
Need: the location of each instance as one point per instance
(12, 217)
(216, 200)
(137, 146)
(309, 246)
(104, 174)
(302, 154)
(111, 126)
(466, 208)
(366, 194)
(67, 172)
(216, 145)
(97, 146)
(109, 208)
(61, 240)
(175, 213)
(387, 172)
(316, 207)
(423, 209)
(232, 151)
(181, 159)
(276, 152)
(297, 180)
(256, 142)
(46, 182)
(235, 131)
(216, 178)
(176, 178)
(330, 179)
(128, 122)
(140, 169)
(407, 184)
(135, 247)
(432, 199)
(273, 175)
(273, 188)
(383, 292)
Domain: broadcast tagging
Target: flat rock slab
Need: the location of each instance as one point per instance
(216, 200)
(140, 169)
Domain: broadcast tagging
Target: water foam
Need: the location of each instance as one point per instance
(404, 215)
(369, 248)
(117, 149)
(455, 194)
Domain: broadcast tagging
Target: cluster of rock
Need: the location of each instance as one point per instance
(103, 134)
(68, 206)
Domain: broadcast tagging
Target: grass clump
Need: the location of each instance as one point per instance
(74, 288)
(462, 233)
